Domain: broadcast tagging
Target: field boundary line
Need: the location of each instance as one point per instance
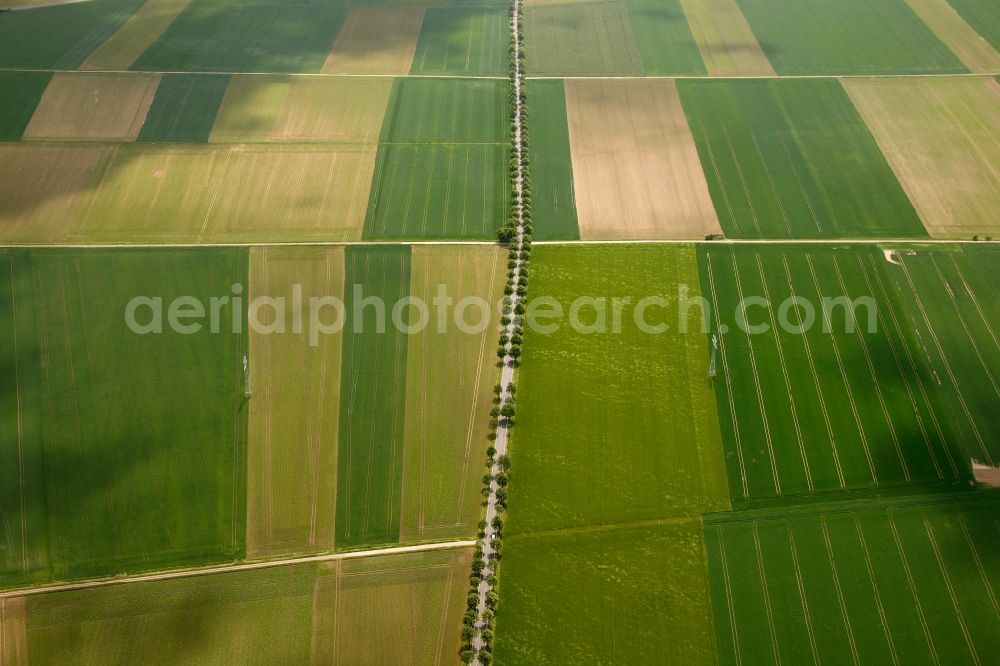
(230, 568)
(802, 593)
(840, 592)
(784, 372)
(819, 387)
(913, 588)
(726, 375)
(951, 592)
(878, 595)
(844, 377)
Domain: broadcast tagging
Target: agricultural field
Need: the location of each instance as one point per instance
(286, 109)
(218, 36)
(20, 93)
(635, 166)
(122, 49)
(847, 37)
(376, 40)
(664, 38)
(294, 413)
(794, 159)
(982, 16)
(724, 38)
(618, 594)
(940, 135)
(106, 468)
(591, 39)
(894, 393)
(462, 41)
(553, 198)
(400, 608)
(423, 110)
(975, 52)
(907, 583)
(648, 392)
(60, 37)
(438, 191)
(93, 107)
(184, 108)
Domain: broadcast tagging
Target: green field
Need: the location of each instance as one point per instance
(60, 37)
(462, 41)
(622, 595)
(876, 584)
(372, 398)
(121, 452)
(214, 35)
(905, 406)
(982, 15)
(446, 111)
(438, 191)
(20, 93)
(664, 38)
(591, 39)
(614, 427)
(794, 159)
(553, 201)
(389, 609)
(847, 37)
(184, 108)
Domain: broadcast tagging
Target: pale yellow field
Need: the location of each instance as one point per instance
(724, 38)
(975, 52)
(449, 379)
(636, 170)
(13, 646)
(399, 609)
(942, 138)
(43, 186)
(93, 106)
(294, 411)
(376, 40)
(308, 109)
(136, 34)
(205, 194)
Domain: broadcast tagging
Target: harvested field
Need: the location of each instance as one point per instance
(890, 394)
(438, 191)
(975, 52)
(111, 471)
(438, 111)
(20, 93)
(462, 41)
(635, 167)
(847, 37)
(294, 412)
(909, 583)
(218, 36)
(724, 38)
(942, 139)
(794, 159)
(93, 106)
(185, 108)
(376, 40)
(143, 28)
(42, 188)
(664, 38)
(60, 37)
(13, 642)
(290, 109)
(982, 16)
(590, 39)
(395, 609)
(449, 380)
(639, 595)
(554, 213)
(372, 398)
(614, 427)
(199, 194)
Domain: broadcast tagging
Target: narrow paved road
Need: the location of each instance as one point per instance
(247, 566)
